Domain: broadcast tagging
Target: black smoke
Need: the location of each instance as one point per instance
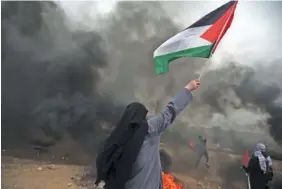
(51, 73)
(254, 90)
(50, 76)
(259, 86)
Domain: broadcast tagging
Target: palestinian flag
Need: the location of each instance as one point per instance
(198, 40)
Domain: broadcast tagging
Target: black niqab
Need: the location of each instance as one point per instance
(115, 160)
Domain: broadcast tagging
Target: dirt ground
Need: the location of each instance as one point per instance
(61, 167)
(47, 172)
(24, 169)
(29, 174)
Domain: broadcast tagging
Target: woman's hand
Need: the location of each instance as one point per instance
(192, 85)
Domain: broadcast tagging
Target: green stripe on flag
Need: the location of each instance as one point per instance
(162, 62)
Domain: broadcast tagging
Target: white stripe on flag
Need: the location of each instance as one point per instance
(186, 39)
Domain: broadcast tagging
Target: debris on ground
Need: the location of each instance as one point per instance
(51, 167)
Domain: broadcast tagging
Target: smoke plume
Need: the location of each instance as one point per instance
(256, 90)
(59, 78)
(264, 94)
(50, 75)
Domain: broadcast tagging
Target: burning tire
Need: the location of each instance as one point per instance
(166, 161)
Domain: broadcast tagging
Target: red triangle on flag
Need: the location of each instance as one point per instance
(220, 27)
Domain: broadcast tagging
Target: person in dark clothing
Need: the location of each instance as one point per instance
(122, 146)
(130, 158)
(259, 168)
(201, 150)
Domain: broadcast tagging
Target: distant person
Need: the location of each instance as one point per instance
(260, 168)
(130, 157)
(201, 150)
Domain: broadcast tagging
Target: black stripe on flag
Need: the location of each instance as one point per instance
(213, 16)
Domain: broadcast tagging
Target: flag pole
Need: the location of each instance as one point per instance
(215, 45)
(204, 68)
(249, 185)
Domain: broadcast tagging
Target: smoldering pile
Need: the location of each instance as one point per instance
(50, 76)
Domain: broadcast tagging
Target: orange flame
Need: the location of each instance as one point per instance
(169, 183)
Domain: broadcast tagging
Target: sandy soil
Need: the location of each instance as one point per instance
(61, 167)
(24, 169)
(29, 174)
(46, 172)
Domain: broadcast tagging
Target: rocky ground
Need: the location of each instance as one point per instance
(41, 173)
(29, 174)
(20, 173)
(24, 169)
(60, 167)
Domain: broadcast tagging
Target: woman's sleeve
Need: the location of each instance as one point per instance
(162, 120)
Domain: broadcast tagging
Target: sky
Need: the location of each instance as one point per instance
(254, 32)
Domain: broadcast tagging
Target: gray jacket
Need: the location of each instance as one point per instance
(147, 169)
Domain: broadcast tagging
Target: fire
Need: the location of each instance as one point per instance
(169, 183)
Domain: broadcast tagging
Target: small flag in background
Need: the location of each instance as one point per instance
(246, 162)
(246, 158)
(198, 40)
